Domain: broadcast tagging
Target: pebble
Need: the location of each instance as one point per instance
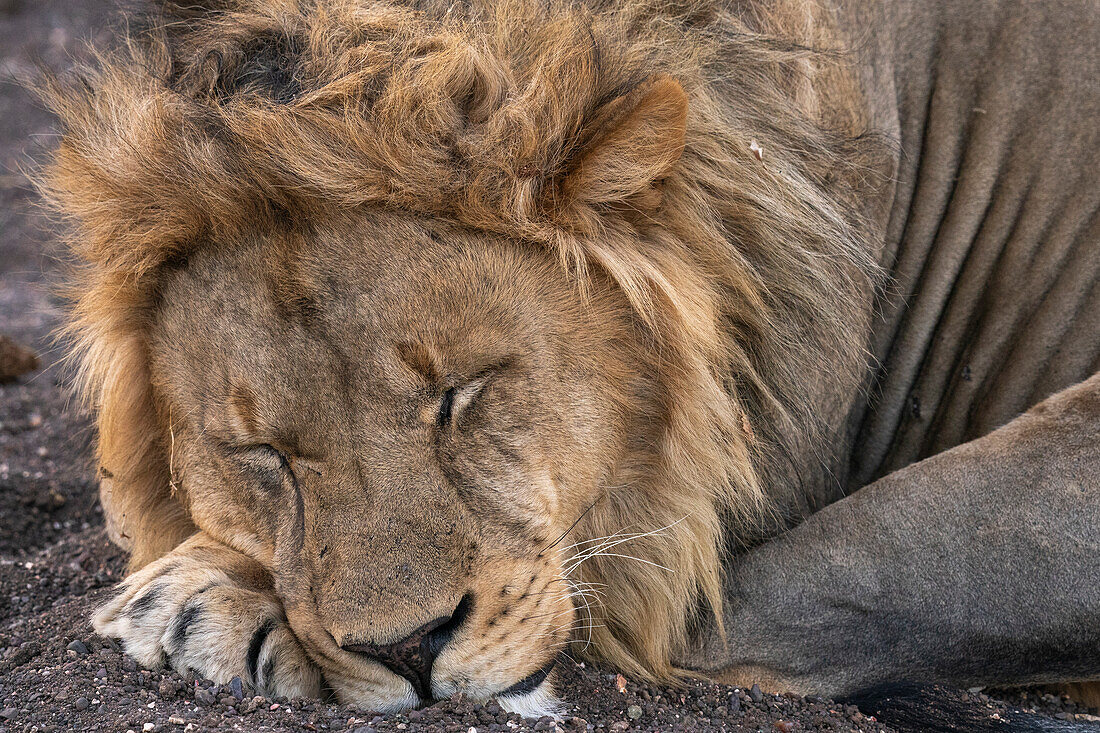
(735, 704)
(76, 645)
(237, 688)
(756, 695)
(175, 720)
(634, 712)
(81, 703)
(8, 713)
(149, 727)
(204, 696)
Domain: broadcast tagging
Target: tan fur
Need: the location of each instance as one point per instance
(616, 138)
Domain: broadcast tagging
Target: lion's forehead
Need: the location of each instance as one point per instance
(313, 337)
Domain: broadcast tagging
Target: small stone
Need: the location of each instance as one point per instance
(26, 651)
(77, 646)
(149, 727)
(634, 712)
(204, 696)
(81, 703)
(15, 360)
(784, 726)
(237, 688)
(618, 726)
(578, 723)
(620, 683)
(735, 704)
(755, 693)
(8, 713)
(175, 720)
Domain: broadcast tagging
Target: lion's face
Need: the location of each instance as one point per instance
(402, 421)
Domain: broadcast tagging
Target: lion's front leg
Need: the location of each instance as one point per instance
(978, 566)
(207, 608)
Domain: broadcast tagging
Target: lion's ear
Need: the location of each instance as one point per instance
(638, 138)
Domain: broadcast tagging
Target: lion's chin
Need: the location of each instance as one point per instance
(537, 703)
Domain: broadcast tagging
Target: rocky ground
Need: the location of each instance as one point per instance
(56, 564)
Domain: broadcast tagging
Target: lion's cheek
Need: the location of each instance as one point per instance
(539, 502)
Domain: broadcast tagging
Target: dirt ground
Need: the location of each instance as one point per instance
(56, 564)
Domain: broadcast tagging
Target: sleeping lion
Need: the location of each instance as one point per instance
(754, 340)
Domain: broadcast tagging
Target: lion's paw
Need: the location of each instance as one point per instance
(192, 616)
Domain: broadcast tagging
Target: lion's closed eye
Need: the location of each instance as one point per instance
(265, 461)
(456, 400)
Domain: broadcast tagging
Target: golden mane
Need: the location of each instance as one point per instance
(748, 266)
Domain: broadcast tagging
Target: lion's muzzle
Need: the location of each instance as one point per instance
(413, 656)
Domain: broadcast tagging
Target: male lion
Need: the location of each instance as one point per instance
(426, 337)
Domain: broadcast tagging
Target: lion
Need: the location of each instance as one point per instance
(427, 340)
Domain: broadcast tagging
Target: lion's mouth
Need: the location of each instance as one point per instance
(531, 682)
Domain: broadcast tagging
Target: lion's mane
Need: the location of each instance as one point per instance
(749, 271)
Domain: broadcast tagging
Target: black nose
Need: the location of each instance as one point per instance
(413, 656)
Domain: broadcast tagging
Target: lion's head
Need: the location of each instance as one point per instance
(458, 320)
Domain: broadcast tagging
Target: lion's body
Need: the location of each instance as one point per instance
(991, 241)
(782, 249)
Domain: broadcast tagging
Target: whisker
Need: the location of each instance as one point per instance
(628, 557)
(594, 539)
(571, 526)
(601, 549)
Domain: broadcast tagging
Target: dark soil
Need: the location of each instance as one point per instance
(56, 564)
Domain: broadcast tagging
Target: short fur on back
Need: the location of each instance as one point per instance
(740, 252)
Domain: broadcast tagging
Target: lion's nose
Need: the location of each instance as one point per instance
(413, 656)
